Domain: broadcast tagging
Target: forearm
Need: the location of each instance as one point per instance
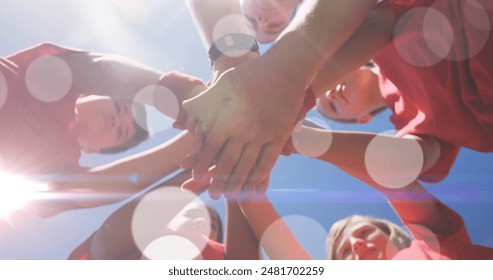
(241, 243)
(273, 233)
(124, 178)
(407, 157)
(319, 29)
(208, 15)
(214, 19)
(416, 206)
(111, 75)
(373, 34)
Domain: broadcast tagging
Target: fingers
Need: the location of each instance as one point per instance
(198, 186)
(262, 187)
(243, 168)
(266, 160)
(205, 158)
(225, 164)
(188, 161)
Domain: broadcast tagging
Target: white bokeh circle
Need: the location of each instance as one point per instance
(428, 28)
(478, 24)
(308, 231)
(3, 90)
(171, 247)
(476, 15)
(438, 33)
(160, 99)
(393, 163)
(233, 23)
(423, 233)
(48, 78)
(311, 142)
(157, 209)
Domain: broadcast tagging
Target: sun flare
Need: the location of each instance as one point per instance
(15, 192)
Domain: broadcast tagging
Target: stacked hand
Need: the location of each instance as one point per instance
(242, 123)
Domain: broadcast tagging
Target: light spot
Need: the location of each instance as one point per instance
(163, 107)
(423, 36)
(309, 233)
(478, 24)
(161, 211)
(230, 24)
(3, 90)
(48, 78)
(476, 15)
(438, 33)
(171, 247)
(393, 162)
(311, 142)
(421, 232)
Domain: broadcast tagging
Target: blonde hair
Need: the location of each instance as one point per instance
(396, 234)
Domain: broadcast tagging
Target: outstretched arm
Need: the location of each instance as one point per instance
(373, 34)
(349, 150)
(121, 77)
(274, 234)
(115, 181)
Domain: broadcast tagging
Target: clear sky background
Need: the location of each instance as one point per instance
(311, 195)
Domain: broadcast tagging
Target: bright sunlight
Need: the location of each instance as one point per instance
(15, 192)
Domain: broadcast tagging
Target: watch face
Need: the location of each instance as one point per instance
(233, 45)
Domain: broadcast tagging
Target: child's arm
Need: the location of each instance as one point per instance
(373, 34)
(241, 242)
(113, 182)
(411, 202)
(121, 77)
(224, 17)
(274, 234)
(347, 151)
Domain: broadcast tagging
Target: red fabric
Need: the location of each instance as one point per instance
(451, 99)
(429, 246)
(213, 251)
(37, 137)
(404, 112)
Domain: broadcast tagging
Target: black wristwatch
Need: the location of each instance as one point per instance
(230, 43)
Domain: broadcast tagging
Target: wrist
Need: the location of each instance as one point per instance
(295, 58)
(232, 45)
(225, 62)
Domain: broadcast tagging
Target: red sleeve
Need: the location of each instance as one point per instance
(451, 246)
(213, 251)
(24, 57)
(441, 169)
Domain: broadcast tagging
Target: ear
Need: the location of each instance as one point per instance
(364, 119)
(89, 150)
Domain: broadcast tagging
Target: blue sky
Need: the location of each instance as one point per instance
(310, 194)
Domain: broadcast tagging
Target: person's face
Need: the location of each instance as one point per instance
(103, 122)
(364, 241)
(352, 99)
(269, 17)
(195, 217)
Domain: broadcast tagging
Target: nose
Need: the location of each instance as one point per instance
(263, 22)
(331, 95)
(357, 246)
